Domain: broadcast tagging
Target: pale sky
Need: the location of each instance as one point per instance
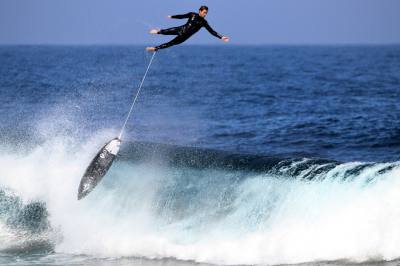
(246, 22)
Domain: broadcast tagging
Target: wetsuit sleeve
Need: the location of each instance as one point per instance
(213, 32)
(182, 16)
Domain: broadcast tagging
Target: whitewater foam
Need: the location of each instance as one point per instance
(209, 215)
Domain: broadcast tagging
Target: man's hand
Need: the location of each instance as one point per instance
(169, 16)
(225, 39)
(154, 31)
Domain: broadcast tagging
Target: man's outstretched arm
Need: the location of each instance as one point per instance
(187, 15)
(216, 34)
(213, 32)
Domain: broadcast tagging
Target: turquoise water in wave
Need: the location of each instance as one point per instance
(326, 116)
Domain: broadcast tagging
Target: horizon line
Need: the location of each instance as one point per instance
(206, 44)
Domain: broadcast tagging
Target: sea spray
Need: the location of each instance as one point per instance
(150, 208)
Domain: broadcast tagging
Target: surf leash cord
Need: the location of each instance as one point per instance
(136, 97)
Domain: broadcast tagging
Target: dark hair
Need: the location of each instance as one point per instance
(203, 7)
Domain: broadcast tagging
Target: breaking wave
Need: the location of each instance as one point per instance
(162, 201)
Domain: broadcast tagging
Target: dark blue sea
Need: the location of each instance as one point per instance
(234, 155)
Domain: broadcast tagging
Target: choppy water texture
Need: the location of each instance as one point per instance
(309, 171)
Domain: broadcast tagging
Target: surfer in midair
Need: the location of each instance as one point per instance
(195, 22)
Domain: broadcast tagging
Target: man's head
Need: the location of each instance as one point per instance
(203, 10)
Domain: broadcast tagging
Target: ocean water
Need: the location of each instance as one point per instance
(235, 155)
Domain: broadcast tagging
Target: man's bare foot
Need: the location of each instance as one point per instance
(151, 49)
(154, 31)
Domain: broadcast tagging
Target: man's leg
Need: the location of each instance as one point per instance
(170, 31)
(179, 39)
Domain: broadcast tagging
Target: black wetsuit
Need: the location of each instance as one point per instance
(193, 25)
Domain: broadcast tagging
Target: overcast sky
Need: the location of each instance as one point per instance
(245, 21)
